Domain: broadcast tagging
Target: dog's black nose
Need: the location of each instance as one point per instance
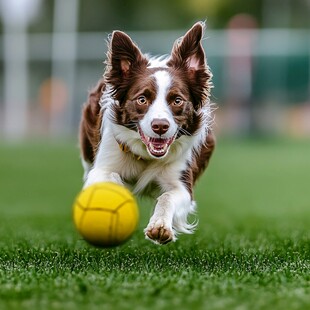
(160, 125)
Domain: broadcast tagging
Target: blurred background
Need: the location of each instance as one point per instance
(52, 52)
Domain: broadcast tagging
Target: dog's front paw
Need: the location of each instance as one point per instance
(159, 233)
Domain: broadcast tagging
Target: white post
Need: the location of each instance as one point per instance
(15, 82)
(16, 15)
(63, 63)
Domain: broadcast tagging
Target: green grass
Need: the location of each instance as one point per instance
(251, 250)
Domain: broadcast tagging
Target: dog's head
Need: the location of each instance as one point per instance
(161, 98)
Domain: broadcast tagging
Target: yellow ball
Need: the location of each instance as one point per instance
(105, 214)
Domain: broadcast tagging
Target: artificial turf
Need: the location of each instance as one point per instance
(251, 249)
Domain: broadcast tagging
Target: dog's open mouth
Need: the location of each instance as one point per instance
(157, 147)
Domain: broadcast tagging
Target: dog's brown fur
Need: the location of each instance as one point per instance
(199, 163)
(91, 123)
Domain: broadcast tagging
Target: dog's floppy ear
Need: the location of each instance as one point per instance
(188, 55)
(124, 57)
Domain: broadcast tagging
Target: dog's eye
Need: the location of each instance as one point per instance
(178, 101)
(141, 100)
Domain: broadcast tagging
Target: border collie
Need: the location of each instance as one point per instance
(147, 125)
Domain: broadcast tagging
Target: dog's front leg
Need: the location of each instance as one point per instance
(171, 209)
(97, 175)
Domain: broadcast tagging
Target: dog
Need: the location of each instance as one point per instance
(147, 125)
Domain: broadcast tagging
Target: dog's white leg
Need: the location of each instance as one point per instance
(99, 175)
(106, 162)
(170, 216)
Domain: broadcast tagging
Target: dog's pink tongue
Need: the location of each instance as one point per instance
(158, 142)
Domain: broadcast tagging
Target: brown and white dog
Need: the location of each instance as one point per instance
(147, 125)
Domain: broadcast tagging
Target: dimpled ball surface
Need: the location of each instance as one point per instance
(105, 214)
